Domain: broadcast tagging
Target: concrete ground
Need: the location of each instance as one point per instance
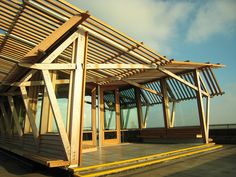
(221, 163)
(218, 164)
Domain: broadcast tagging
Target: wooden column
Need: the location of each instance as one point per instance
(201, 107)
(117, 98)
(101, 116)
(77, 97)
(165, 103)
(94, 127)
(15, 116)
(139, 108)
(50, 114)
(207, 114)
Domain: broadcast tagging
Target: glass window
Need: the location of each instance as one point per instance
(88, 112)
(128, 109)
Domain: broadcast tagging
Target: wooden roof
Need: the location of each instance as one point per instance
(27, 23)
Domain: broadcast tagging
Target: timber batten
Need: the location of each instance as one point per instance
(55, 52)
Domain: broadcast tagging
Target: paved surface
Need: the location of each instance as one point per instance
(218, 164)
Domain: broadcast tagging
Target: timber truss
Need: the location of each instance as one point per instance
(62, 45)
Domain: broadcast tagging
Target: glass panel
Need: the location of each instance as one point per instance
(62, 91)
(109, 110)
(189, 117)
(88, 111)
(155, 116)
(128, 109)
(20, 109)
(39, 109)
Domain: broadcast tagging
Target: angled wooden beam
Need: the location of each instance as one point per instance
(142, 87)
(15, 116)
(146, 116)
(203, 84)
(121, 66)
(56, 112)
(77, 97)
(165, 103)
(53, 55)
(50, 66)
(5, 117)
(30, 115)
(172, 120)
(201, 107)
(57, 35)
(165, 71)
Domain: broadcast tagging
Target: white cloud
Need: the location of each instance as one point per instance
(153, 22)
(213, 18)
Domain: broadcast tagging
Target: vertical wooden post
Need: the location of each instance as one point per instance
(207, 114)
(201, 107)
(165, 104)
(117, 98)
(77, 98)
(15, 116)
(50, 114)
(101, 116)
(94, 127)
(139, 108)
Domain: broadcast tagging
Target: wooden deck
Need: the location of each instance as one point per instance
(128, 151)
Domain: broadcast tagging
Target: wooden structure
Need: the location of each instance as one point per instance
(52, 51)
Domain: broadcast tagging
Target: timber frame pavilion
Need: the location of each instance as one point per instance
(51, 49)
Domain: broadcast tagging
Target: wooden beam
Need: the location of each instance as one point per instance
(165, 71)
(30, 115)
(121, 66)
(142, 87)
(172, 120)
(101, 115)
(55, 36)
(5, 117)
(165, 103)
(15, 116)
(77, 97)
(56, 112)
(139, 107)
(50, 66)
(94, 127)
(201, 107)
(52, 56)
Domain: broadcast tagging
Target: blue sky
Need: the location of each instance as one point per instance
(185, 30)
